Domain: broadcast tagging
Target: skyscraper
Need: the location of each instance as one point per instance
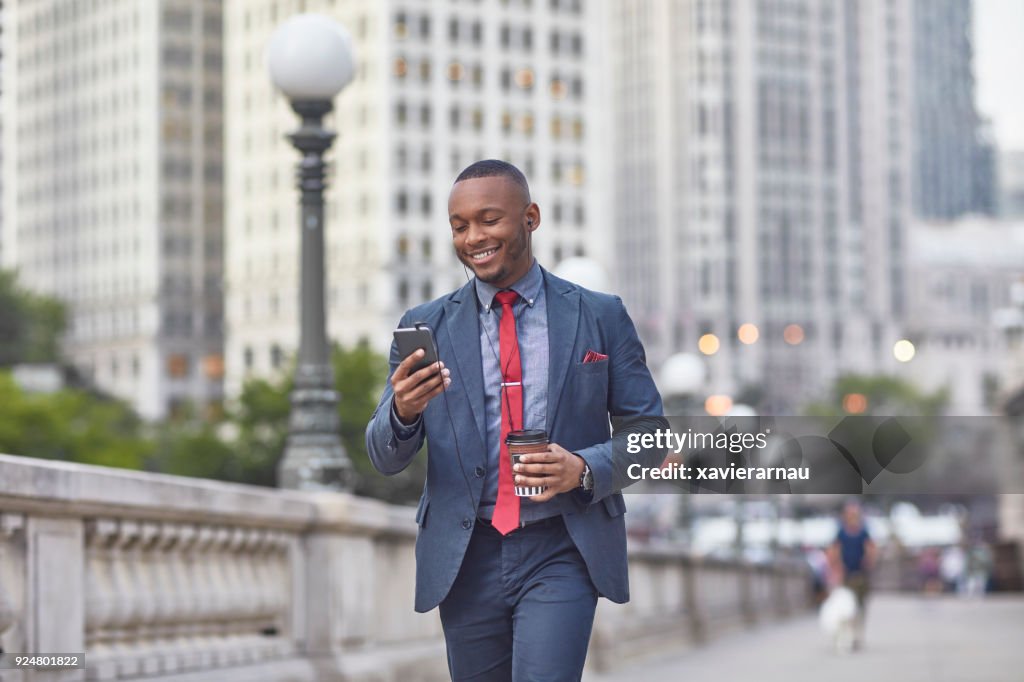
(438, 86)
(954, 163)
(113, 187)
(762, 184)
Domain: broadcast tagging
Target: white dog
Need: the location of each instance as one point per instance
(840, 619)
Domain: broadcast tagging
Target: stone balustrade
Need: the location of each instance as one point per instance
(174, 579)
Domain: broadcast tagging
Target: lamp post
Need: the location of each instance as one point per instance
(310, 60)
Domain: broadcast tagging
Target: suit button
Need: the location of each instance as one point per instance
(467, 524)
(479, 471)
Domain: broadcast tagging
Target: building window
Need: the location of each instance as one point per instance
(213, 366)
(577, 44)
(402, 202)
(524, 78)
(276, 356)
(177, 366)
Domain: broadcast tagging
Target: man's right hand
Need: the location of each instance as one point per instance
(413, 391)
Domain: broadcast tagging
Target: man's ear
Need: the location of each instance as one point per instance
(532, 217)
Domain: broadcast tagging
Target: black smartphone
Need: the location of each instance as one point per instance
(409, 340)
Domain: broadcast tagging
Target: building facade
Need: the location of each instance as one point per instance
(954, 162)
(438, 85)
(113, 187)
(762, 186)
(1011, 184)
(966, 313)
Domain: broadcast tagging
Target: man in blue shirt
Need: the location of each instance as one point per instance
(853, 554)
(517, 579)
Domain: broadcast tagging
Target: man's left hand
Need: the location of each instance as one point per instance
(558, 469)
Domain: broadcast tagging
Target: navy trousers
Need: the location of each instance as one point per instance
(521, 608)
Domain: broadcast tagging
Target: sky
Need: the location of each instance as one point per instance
(999, 67)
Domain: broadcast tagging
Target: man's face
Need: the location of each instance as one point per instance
(491, 221)
(851, 516)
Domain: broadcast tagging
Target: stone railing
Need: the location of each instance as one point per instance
(168, 578)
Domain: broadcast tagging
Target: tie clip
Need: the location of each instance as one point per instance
(511, 383)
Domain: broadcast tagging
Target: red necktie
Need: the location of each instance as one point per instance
(506, 510)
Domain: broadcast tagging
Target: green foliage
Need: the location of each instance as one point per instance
(70, 425)
(30, 325)
(359, 375)
(243, 445)
(886, 395)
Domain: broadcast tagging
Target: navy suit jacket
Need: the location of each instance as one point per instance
(581, 399)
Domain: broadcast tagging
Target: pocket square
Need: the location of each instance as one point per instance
(594, 356)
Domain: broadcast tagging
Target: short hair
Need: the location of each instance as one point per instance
(491, 168)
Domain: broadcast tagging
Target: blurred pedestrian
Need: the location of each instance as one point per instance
(852, 556)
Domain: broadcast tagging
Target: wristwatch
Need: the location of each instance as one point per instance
(586, 478)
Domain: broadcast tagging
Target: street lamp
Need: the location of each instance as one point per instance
(310, 60)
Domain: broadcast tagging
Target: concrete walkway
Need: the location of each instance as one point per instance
(909, 639)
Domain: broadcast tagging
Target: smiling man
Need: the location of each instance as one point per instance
(517, 579)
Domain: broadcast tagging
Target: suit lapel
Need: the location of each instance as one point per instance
(463, 325)
(563, 302)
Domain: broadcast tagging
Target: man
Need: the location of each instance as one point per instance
(853, 554)
(517, 579)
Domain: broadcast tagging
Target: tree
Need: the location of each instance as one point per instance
(71, 425)
(882, 394)
(30, 325)
(248, 445)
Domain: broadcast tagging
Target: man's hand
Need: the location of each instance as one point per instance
(557, 468)
(413, 391)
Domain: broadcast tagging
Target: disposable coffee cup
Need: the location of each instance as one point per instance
(527, 442)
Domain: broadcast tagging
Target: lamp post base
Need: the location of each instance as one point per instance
(314, 457)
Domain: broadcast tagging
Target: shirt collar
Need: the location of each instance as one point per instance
(528, 287)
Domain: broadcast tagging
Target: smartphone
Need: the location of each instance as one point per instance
(409, 340)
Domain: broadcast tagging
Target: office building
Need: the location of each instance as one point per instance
(112, 179)
(954, 162)
(762, 186)
(438, 85)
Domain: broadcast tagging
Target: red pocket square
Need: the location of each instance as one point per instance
(594, 356)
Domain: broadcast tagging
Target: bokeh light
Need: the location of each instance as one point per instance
(903, 350)
(793, 334)
(748, 333)
(855, 403)
(718, 405)
(708, 344)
